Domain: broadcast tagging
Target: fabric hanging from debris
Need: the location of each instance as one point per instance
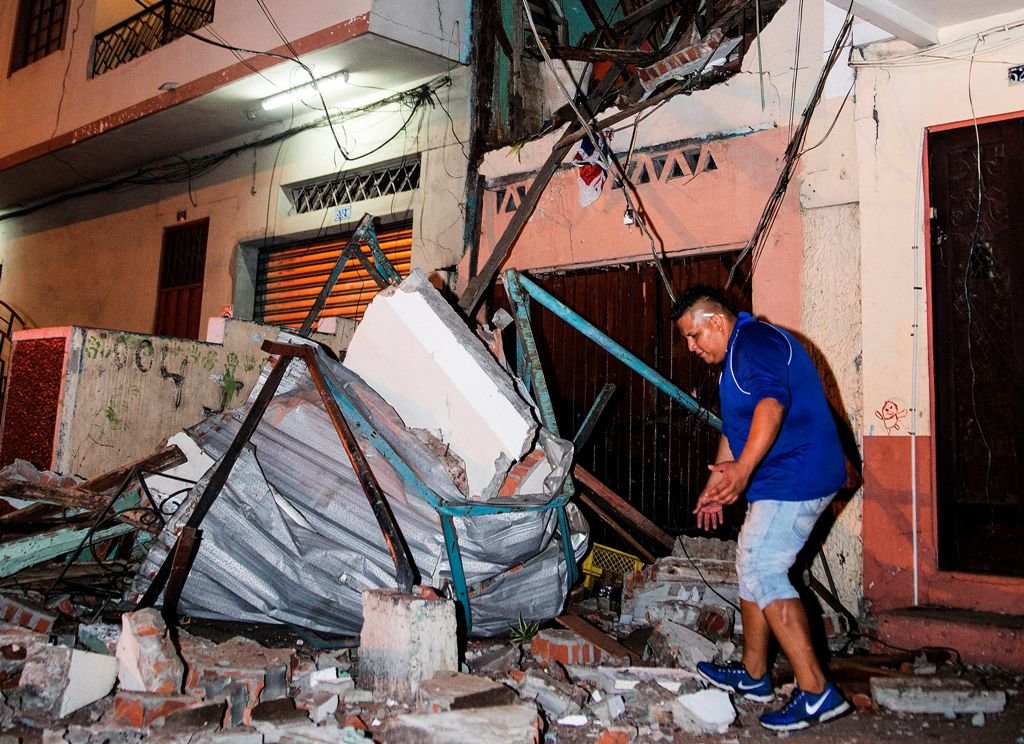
(592, 168)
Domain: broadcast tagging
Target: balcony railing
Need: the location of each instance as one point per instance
(159, 24)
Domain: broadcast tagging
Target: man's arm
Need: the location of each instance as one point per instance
(735, 474)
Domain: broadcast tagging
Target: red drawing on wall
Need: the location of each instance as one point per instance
(890, 415)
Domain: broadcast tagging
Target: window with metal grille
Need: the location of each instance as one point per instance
(290, 279)
(357, 186)
(40, 30)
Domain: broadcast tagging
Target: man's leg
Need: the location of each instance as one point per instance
(788, 622)
(756, 637)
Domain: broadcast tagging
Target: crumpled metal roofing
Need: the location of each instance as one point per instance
(292, 538)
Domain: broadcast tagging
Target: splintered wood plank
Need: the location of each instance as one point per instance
(622, 508)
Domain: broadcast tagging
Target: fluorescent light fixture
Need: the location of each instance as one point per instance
(326, 83)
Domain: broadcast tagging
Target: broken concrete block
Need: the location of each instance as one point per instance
(27, 615)
(14, 644)
(706, 551)
(608, 709)
(707, 711)
(712, 621)
(319, 705)
(57, 680)
(677, 579)
(405, 639)
(215, 669)
(498, 660)
(145, 709)
(677, 645)
(458, 391)
(456, 691)
(147, 659)
(506, 724)
(942, 695)
(100, 638)
(557, 698)
(102, 734)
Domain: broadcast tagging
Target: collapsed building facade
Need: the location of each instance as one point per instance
(847, 170)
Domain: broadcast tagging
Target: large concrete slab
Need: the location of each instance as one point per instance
(421, 357)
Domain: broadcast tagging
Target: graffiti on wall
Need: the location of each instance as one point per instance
(890, 414)
(134, 391)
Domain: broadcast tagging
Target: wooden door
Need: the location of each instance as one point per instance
(977, 269)
(180, 293)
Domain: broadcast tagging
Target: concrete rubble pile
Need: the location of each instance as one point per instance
(405, 681)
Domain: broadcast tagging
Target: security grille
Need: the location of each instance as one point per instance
(289, 279)
(354, 187)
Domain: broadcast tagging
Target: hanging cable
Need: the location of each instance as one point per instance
(796, 64)
(627, 184)
(755, 245)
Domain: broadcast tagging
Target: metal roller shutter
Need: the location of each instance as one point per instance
(290, 279)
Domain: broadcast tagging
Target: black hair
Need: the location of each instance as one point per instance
(698, 293)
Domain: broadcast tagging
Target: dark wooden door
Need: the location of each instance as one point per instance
(977, 263)
(646, 448)
(180, 293)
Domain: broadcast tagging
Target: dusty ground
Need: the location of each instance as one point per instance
(859, 727)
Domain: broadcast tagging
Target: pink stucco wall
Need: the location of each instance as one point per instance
(693, 206)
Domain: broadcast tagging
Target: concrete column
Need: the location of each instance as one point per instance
(406, 639)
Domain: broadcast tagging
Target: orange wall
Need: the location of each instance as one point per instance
(888, 537)
(709, 210)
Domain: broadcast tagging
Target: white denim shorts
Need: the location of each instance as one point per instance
(772, 535)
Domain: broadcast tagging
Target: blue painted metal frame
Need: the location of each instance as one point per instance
(516, 282)
(447, 510)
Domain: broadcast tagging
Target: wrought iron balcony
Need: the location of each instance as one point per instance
(159, 24)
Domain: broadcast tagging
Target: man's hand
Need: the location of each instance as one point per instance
(709, 516)
(731, 481)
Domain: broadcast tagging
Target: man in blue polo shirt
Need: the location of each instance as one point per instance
(780, 448)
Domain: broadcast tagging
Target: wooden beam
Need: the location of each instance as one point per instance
(168, 457)
(77, 498)
(611, 522)
(478, 284)
(621, 508)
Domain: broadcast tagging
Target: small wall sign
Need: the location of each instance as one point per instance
(1016, 75)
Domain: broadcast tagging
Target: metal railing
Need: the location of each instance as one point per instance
(159, 24)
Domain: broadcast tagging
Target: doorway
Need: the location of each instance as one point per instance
(180, 293)
(976, 187)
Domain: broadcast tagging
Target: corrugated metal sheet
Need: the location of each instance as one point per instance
(292, 538)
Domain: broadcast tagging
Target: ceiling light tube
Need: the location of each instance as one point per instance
(326, 83)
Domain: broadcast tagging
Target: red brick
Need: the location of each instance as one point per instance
(143, 709)
(613, 737)
(355, 722)
(564, 647)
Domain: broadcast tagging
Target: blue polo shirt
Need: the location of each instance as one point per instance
(806, 461)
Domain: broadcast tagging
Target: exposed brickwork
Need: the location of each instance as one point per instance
(148, 660)
(19, 612)
(519, 472)
(565, 647)
(144, 709)
(218, 670)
